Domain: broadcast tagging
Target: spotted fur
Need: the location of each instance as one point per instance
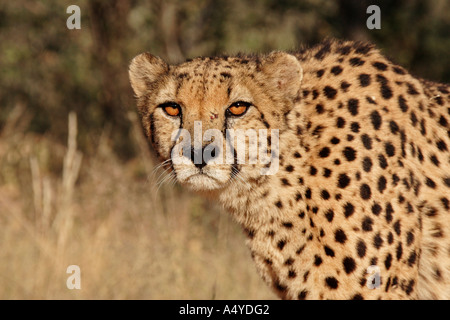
(364, 177)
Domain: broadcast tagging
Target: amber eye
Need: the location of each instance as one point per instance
(171, 108)
(238, 108)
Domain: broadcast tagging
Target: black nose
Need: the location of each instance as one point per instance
(200, 159)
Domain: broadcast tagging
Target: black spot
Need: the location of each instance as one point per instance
(364, 79)
(402, 103)
(325, 152)
(399, 251)
(285, 182)
(297, 155)
(395, 179)
(279, 204)
(390, 149)
(367, 164)
(289, 168)
(382, 161)
(345, 85)
(386, 91)
(353, 106)
(328, 251)
(225, 74)
(301, 215)
(315, 94)
(320, 73)
(380, 66)
(349, 265)
(414, 119)
(443, 121)
(441, 145)
(340, 122)
(317, 130)
(388, 261)
(287, 225)
(365, 191)
(354, 127)
(410, 287)
(423, 129)
(326, 172)
(319, 108)
(356, 62)
(250, 233)
(393, 126)
(362, 48)
(430, 183)
(349, 209)
(324, 50)
(376, 209)
(343, 180)
(308, 193)
(330, 92)
(361, 248)
(367, 141)
(382, 184)
(370, 100)
(376, 119)
(409, 238)
(411, 89)
(302, 295)
(312, 170)
(335, 140)
(367, 224)
(280, 287)
(340, 236)
(446, 181)
(331, 282)
(412, 258)
(445, 203)
(325, 195)
(345, 50)
(357, 296)
(377, 241)
(435, 160)
(397, 227)
(281, 244)
(398, 70)
(389, 212)
(329, 215)
(317, 260)
(336, 70)
(349, 153)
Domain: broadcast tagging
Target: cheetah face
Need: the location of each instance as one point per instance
(216, 121)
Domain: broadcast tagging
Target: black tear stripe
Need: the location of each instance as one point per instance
(151, 119)
(234, 166)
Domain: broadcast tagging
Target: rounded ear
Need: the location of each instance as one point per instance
(284, 72)
(144, 70)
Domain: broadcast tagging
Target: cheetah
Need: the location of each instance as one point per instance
(363, 177)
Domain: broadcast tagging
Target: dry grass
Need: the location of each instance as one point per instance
(58, 208)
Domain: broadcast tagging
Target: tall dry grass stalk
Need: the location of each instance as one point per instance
(129, 240)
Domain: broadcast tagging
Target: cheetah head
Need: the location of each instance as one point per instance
(197, 114)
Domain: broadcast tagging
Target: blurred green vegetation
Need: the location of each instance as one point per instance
(52, 70)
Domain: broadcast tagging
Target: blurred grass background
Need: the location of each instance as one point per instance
(78, 183)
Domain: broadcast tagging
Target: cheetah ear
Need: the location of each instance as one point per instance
(145, 69)
(284, 72)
